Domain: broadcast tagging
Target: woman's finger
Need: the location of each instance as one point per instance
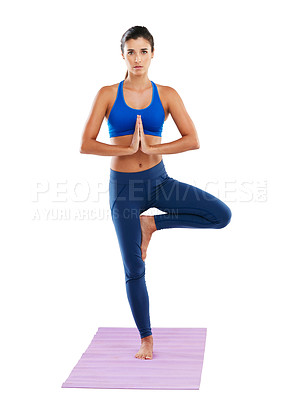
(141, 125)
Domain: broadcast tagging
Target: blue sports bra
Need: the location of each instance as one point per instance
(122, 118)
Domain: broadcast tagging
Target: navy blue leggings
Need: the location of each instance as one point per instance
(185, 206)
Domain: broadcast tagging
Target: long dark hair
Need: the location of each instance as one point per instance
(136, 32)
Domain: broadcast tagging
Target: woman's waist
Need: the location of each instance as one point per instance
(136, 162)
(151, 170)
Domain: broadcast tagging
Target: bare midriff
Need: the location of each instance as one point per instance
(138, 161)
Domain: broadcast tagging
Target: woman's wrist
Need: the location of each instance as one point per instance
(130, 151)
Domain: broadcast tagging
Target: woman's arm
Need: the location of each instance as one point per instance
(186, 127)
(89, 144)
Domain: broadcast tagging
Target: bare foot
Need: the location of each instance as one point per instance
(148, 227)
(146, 350)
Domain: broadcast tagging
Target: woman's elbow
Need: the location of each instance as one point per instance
(83, 148)
(196, 144)
(195, 141)
(192, 142)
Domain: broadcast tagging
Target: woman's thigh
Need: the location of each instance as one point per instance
(126, 218)
(178, 197)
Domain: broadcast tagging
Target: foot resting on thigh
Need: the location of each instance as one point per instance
(147, 227)
(146, 350)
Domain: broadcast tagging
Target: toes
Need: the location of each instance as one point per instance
(143, 356)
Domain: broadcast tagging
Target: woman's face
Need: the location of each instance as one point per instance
(137, 52)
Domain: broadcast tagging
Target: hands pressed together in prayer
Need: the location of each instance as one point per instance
(138, 139)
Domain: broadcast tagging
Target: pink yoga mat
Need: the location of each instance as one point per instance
(109, 361)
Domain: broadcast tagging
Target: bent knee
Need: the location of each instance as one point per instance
(225, 218)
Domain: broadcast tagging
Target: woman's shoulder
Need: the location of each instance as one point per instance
(108, 89)
(108, 93)
(168, 92)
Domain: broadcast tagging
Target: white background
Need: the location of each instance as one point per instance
(236, 67)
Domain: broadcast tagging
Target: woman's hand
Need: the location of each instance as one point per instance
(135, 141)
(144, 146)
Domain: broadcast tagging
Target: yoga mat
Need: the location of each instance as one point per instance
(109, 361)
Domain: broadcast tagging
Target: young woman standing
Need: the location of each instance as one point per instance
(136, 109)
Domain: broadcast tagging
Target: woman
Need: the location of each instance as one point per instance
(136, 109)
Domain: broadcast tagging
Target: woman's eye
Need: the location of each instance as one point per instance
(144, 51)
